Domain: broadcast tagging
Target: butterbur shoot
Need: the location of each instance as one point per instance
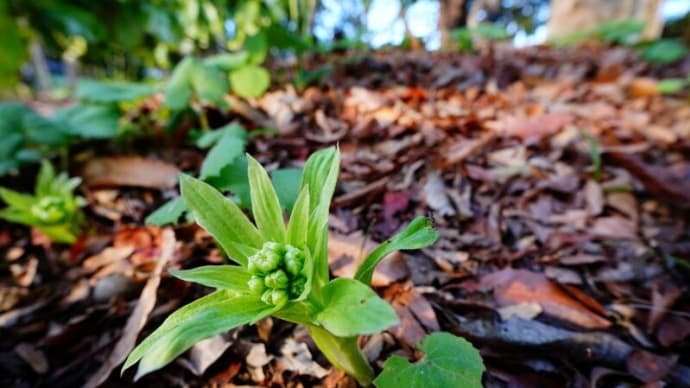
(280, 270)
(53, 209)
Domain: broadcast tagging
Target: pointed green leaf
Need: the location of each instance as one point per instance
(320, 175)
(16, 199)
(227, 277)
(353, 309)
(449, 361)
(169, 213)
(265, 205)
(64, 233)
(203, 318)
(418, 234)
(220, 217)
(44, 180)
(299, 219)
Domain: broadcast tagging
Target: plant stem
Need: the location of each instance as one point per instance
(344, 354)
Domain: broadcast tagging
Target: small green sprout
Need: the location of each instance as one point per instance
(53, 209)
(282, 272)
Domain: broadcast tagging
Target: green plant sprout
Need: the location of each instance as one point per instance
(282, 272)
(53, 209)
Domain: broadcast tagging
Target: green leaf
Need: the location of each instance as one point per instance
(664, 51)
(209, 84)
(265, 205)
(227, 277)
(418, 234)
(320, 176)
(169, 213)
(64, 233)
(250, 81)
(234, 178)
(94, 121)
(296, 312)
(111, 92)
(671, 85)
(296, 231)
(286, 181)
(203, 318)
(209, 138)
(353, 309)
(16, 199)
(221, 218)
(448, 361)
(257, 47)
(179, 87)
(227, 61)
(230, 146)
(19, 216)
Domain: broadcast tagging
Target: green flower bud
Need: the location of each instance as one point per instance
(274, 297)
(50, 210)
(264, 261)
(297, 286)
(294, 260)
(256, 285)
(266, 297)
(277, 279)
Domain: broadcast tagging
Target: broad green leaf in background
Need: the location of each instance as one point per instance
(664, 51)
(111, 92)
(448, 361)
(179, 88)
(209, 84)
(286, 181)
(671, 85)
(226, 277)
(221, 218)
(203, 318)
(620, 31)
(95, 121)
(418, 234)
(27, 136)
(233, 178)
(169, 213)
(256, 46)
(227, 61)
(230, 142)
(353, 308)
(250, 81)
(265, 205)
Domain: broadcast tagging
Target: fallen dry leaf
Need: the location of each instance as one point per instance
(139, 315)
(296, 357)
(535, 127)
(514, 286)
(650, 367)
(130, 171)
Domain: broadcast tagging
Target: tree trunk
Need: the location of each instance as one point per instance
(570, 17)
(452, 15)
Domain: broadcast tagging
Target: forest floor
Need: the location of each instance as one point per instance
(558, 179)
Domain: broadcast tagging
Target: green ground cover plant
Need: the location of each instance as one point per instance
(281, 270)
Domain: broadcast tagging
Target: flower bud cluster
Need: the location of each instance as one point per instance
(277, 273)
(51, 210)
